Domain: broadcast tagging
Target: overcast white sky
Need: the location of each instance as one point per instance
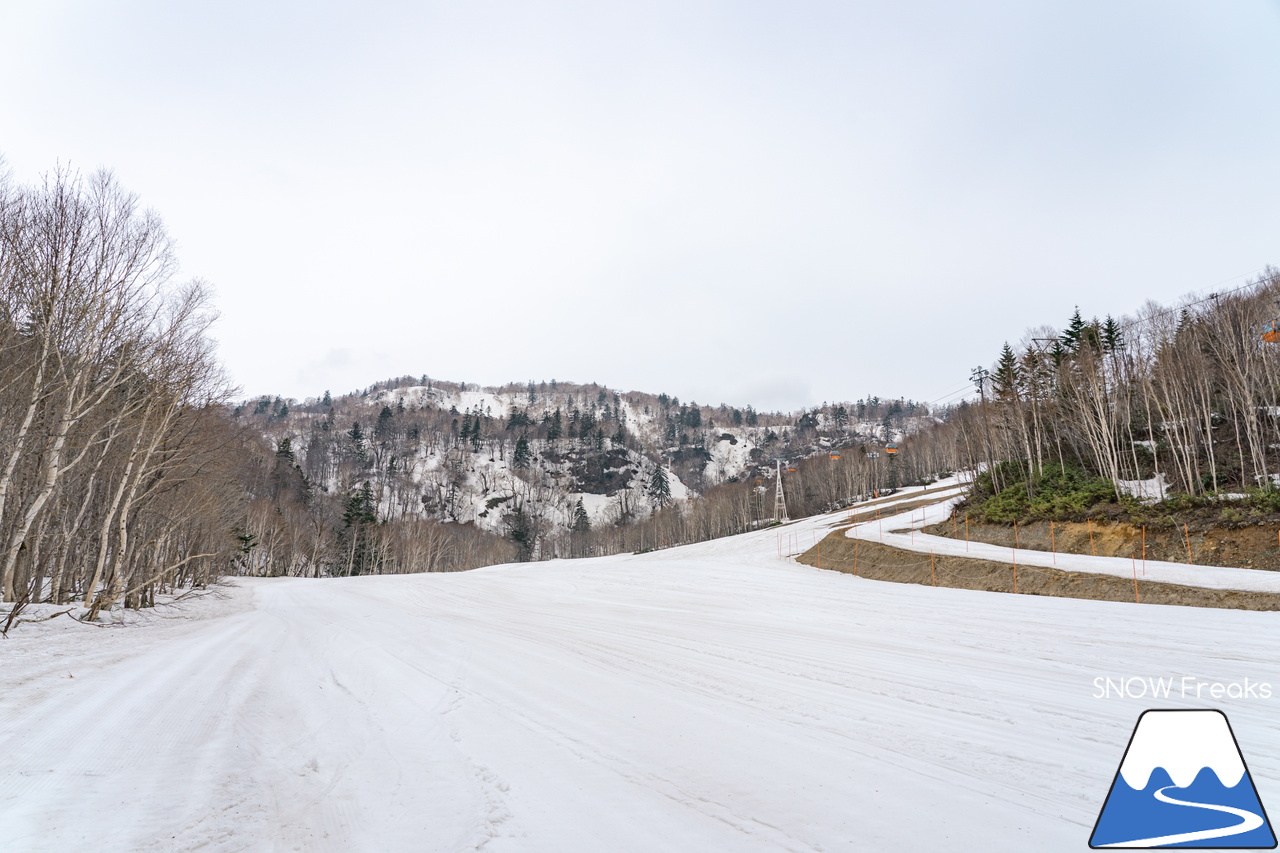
(749, 202)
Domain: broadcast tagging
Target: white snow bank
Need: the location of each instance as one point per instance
(1209, 577)
(1155, 489)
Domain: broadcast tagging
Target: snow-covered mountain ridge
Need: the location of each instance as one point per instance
(560, 451)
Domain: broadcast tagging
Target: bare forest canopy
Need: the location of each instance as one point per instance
(388, 478)
(118, 463)
(127, 472)
(1177, 404)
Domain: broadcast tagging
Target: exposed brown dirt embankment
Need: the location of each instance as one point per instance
(1253, 547)
(881, 562)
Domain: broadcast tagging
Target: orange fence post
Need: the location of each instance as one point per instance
(1135, 580)
(1015, 570)
(1089, 523)
(932, 574)
(1015, 534)
(1053, 544)
(1187, 532)
(855, 557)
(1144, 550)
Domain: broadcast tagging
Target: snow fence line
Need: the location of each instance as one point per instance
(889, 532)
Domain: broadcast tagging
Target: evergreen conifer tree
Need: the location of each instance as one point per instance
(1007, 376)
(360, 508)
(581, 521)
(383, 429)
(659, 487)
(360, 512)
(359, 448)
(1057, 353)
(520, 529)
(1073, 337)
(521, 457)
(1112, 335)
(1184, 320)
(1092, 335)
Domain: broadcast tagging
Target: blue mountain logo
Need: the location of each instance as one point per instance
(1183, 783)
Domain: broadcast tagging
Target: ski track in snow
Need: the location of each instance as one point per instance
(711, 697)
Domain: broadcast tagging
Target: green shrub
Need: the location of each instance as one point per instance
(1056, 494)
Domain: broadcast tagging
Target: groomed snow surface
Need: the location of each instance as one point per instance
(710, 698)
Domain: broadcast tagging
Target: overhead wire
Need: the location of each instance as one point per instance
(1216, 294)
(946, 399)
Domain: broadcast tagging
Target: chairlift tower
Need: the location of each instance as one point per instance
(779, 503)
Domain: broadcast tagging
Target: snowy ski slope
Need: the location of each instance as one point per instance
(712, 697)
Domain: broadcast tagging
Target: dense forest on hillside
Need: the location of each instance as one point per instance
(119, 467)
(406, 474)
(1178, 405)
(125, 470)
